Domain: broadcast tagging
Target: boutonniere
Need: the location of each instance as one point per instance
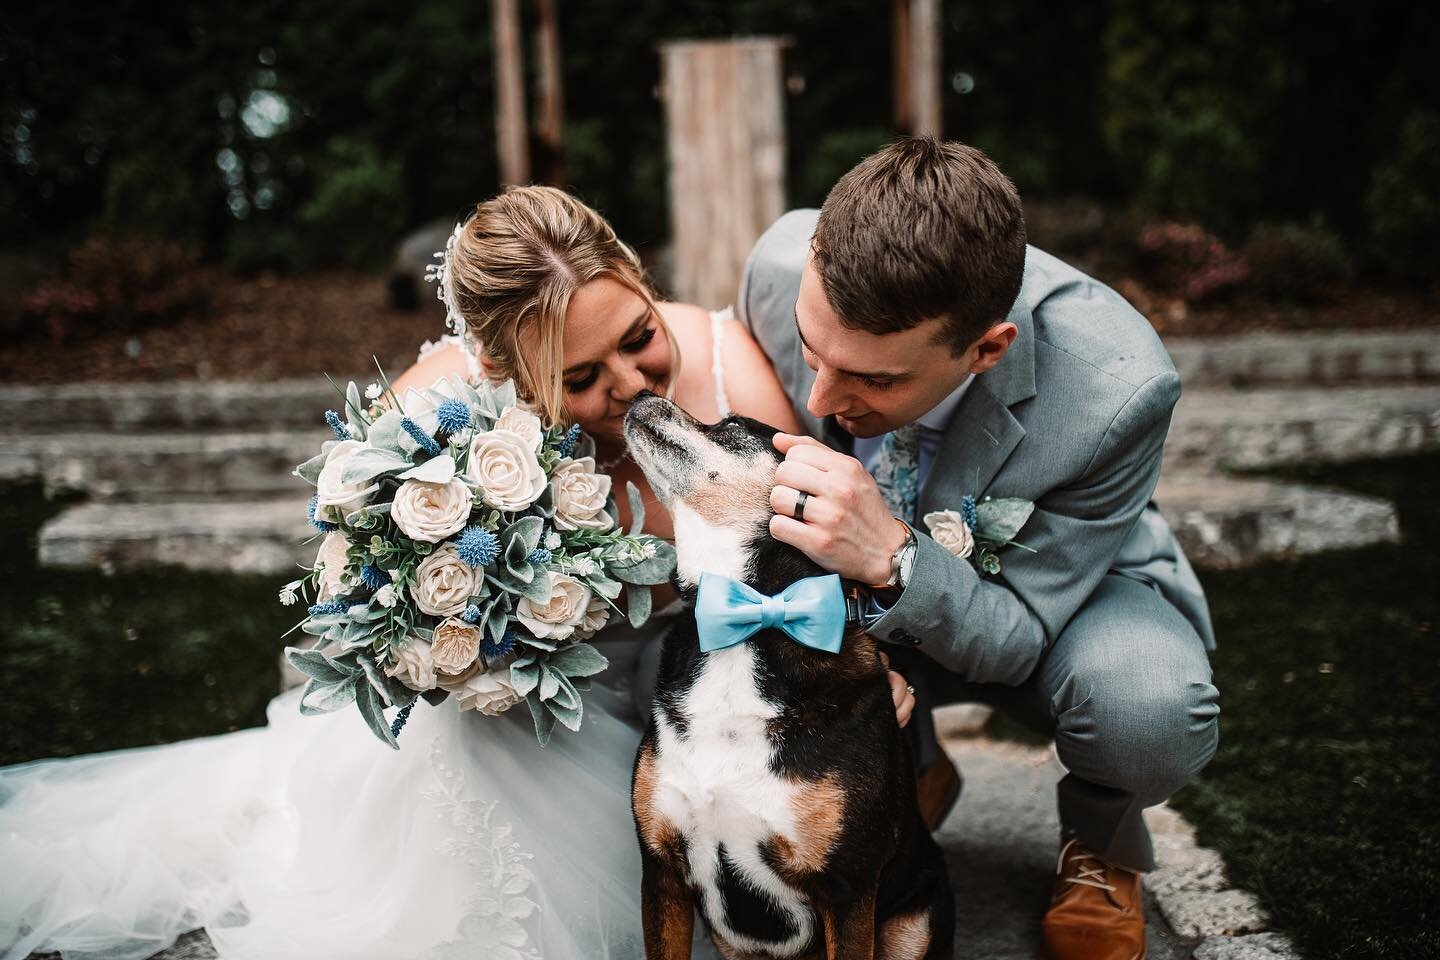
(979, 529)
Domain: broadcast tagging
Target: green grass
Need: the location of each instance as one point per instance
(1322, 796)
(93, 662)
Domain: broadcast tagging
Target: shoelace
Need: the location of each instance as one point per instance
(1090, 876)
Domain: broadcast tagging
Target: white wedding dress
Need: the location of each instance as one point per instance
(309, 839)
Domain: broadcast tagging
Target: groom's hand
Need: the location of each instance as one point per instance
(846, 527)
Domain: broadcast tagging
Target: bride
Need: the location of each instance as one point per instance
(306, 838)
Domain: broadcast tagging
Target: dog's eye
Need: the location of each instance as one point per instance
(714, 475)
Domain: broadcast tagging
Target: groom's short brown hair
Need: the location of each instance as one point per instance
(922, 229)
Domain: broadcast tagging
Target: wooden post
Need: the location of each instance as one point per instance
(725, 130)
(916, 66)
(549, 97)
(511, 136)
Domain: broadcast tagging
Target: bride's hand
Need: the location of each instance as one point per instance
(900, 692)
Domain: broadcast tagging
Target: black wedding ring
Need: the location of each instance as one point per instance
(800, 497)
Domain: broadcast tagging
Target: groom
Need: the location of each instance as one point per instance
(938, 355)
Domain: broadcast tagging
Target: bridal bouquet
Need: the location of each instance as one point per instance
(468, 549)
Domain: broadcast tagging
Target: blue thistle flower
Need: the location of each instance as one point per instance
(471, 614)
(342, 432)
(373, 576)
(969, 512)
(568, 442)
(539, 556)
(477, 546)
(453, 415)
(427, 442)
(492, 649)
(324, 526)
(398, 723)
(328, 608)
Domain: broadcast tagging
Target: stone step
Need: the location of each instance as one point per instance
(1312, 358)
(257, 536)
(233, 405)
(1253, 429)
(1228, 522)
(136, 466)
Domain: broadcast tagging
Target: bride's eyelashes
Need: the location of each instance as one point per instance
(633, 346)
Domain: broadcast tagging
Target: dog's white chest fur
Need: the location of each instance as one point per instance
(717, 788)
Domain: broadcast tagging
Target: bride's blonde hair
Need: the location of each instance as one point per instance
(513, 268)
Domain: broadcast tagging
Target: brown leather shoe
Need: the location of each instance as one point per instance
(937, 788)
(1097, 910)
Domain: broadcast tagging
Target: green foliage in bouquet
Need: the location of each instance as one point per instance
(468, 550)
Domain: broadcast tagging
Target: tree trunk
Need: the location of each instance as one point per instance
(510, 128)
(725, 129)
(549, 96)
(916, 67)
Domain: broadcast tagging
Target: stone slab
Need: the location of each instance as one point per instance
(1314, 358)
(1228, 522)
(262, 536)
(1254, 429)
(1258, 946)
(138, 465)
(1212, 913)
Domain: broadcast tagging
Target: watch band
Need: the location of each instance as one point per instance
(897, 558)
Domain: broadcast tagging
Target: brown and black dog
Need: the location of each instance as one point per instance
(772, 788)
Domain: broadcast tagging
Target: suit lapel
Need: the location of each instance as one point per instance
(983, 432)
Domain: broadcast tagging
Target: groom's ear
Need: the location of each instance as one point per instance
(990, 348)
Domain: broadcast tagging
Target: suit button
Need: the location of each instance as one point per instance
(914, 641)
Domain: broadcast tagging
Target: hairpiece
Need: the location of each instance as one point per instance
(442, 275)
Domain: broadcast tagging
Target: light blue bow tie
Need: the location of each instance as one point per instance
(811, 611)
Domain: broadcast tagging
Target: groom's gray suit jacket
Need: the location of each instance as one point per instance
(1074, 418)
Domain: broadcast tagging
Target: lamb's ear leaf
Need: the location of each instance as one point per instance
(391, 690)
(549, 682)
(652, 571)
(354, 411)
(637, 508)
(385, 433)
(505, 396)
(1001, 519)
(603, 585)
(568, 714)
(439, 469)
(318, 698)
(309, 471)
(544, 719)
(580, 660)
(316, 665)
(525, 675)
(538, 589)
(637, 605)
(365, 465)
(372, 708)
(528, 529)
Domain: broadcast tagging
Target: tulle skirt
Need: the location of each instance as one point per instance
(308, 838)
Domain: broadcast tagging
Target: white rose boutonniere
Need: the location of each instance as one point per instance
(431, 511)
(558, 617)
(504, 466)
(948, 528)
(580, 495)
(980, 528)
(444, 583)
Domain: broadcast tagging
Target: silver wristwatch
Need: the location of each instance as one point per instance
(900, 563)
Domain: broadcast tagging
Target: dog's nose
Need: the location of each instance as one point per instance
(643, 394)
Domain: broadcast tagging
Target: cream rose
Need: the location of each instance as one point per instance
(455, 646)
(580, 494)
(524, 425)
(488, 692)
(597, 614)
(556, 618)
(414, 665)
(337, 498)
(431, 511)
(505, 469)
(948, 528)
(444, 583)
(331, 561)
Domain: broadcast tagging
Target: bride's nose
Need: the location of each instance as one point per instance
(628, 382)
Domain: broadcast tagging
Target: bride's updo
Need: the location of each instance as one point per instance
(513, 268)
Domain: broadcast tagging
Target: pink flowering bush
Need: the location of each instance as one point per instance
(1190, 261)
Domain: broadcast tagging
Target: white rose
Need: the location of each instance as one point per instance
(331, 561)
(455, 646)
(557, 617)
(337, 498)
(597, 614)
(580, 494)
(430, 512)
(413, 665)
(523, 424)
(505, 469)
(444, 583)
(948, 528)
(489, 692)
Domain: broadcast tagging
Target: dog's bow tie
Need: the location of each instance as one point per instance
(812, 611)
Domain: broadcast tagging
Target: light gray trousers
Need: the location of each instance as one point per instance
(1125, 691)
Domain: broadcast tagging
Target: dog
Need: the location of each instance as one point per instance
(772, 788)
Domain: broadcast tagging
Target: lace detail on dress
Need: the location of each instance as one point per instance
(472, 362)
(496, 921)
(718, 319)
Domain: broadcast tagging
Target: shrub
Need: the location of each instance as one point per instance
(1189, 261)
(1296, 262)
(111, 283)
(1403, 199)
